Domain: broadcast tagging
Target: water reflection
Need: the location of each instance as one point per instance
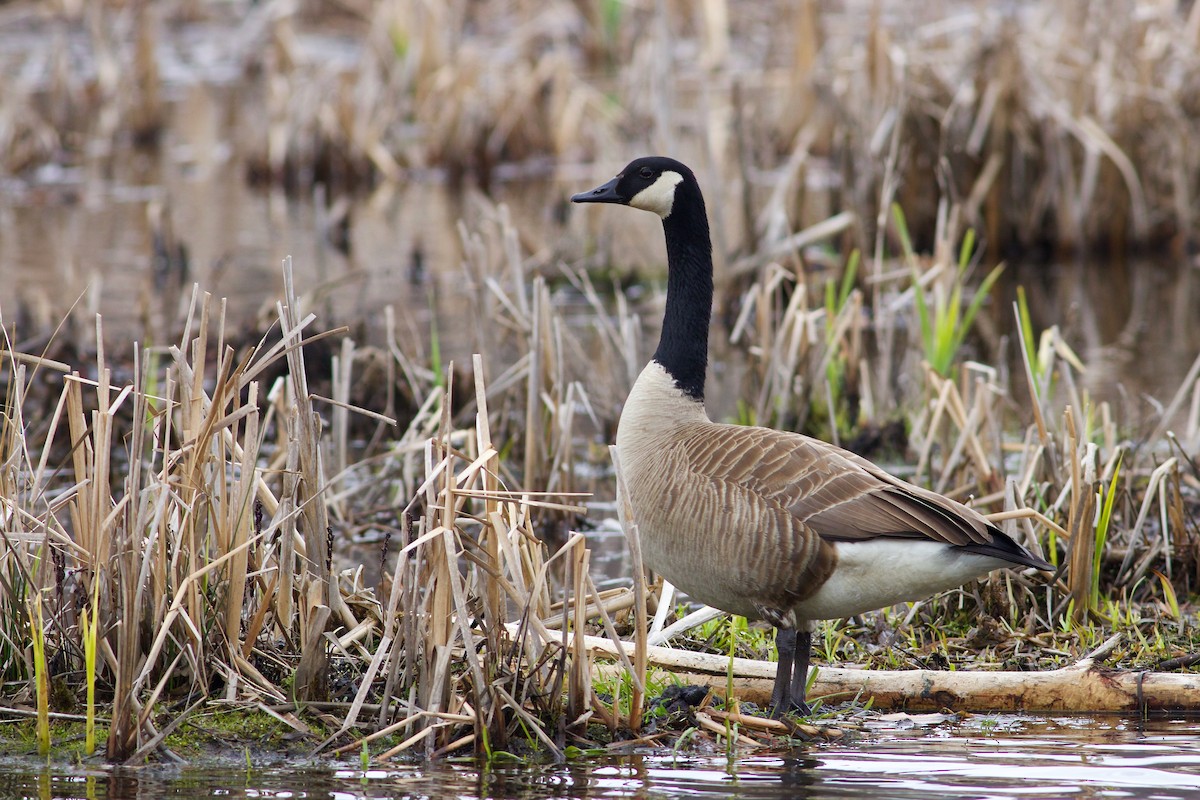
(981, 757)
(1132, 322)
(82, 234)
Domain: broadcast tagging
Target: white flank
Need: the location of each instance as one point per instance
(659, 196)
(882, 572)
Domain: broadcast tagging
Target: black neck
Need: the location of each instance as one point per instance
(683, 347)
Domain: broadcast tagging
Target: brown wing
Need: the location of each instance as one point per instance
(733, 472)
(790, 498)
(834, 493)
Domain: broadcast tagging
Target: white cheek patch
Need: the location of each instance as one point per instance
(658, 196)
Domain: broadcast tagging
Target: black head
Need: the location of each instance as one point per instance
(647, 183)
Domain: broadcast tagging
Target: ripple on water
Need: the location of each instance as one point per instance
(981, 757)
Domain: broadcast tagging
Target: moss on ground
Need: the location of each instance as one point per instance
(242, 735)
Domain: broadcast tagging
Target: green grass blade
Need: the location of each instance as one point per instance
(1025, 323)
(831, 309)
(1102, 527)
(88, 624)
(981, 295)
(902, 231)
(848, 278)
(964, 252)
(41, 676)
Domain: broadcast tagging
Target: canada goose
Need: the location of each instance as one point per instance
(768, 524)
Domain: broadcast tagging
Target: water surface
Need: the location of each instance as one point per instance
(886, 757)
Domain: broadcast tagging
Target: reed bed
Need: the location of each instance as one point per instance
(182, 525)
(1052, 128)
(171, 537)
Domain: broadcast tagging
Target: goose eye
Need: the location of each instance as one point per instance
(645, 172)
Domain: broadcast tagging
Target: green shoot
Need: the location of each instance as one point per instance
(400, 42)
(905, 240)
(682, 742)
(435, 345)
(1172, 600)
(745, 414)
(731, 728)
(836, 298)
(730, 702)
(724, 632)
(41, 676)
(486, 742)
(1065, 623)
(829, 643)
(88, 626)
(944, 327)
(1025, 321)
(619, 686)
(610, 13)
(1102, 527)
(834, 303)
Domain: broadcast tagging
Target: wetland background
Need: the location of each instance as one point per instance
(224, 514)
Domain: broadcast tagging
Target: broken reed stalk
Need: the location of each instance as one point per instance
(1080, 521)
(460, 555)
(318, 587)
(580, 685)
(533, 393)
(238, 518)
(629, 526)
(494, 599)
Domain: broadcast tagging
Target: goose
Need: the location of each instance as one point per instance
(764, 523)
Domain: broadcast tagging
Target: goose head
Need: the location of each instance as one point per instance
(651, 184)
(669, 189)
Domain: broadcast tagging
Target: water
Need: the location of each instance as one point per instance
(887, 757)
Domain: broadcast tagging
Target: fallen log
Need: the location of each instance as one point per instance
(1074, 689)
(1080, 688)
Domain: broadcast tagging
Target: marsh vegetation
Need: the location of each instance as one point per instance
(176, 516)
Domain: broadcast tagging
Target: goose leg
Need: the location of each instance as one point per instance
(803, 648)
(781, 695)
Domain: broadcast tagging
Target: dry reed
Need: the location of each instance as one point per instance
(1044, 124)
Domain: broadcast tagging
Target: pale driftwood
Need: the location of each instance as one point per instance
(1082, 687)
(682, 659)
(1075, 689)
